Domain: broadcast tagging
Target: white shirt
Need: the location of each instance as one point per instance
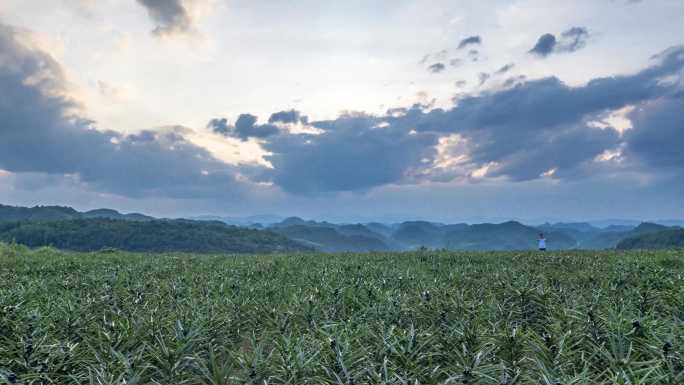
(542, 243)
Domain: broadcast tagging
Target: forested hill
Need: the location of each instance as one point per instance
(56, 213)
(94, 229)
(146, 236)
(666, 239)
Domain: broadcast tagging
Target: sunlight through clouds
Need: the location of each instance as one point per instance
(315, 100)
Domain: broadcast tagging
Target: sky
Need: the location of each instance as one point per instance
(347, 111)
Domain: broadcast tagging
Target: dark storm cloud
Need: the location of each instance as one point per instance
(469, 41)
(436, 68)
(171, 16)
(290, 116)
(543, 124)
(538, 127)
(353, 152)
(571, 40)
(245, 127)
(563, 149)
(41, 133)
(544, 46)
(658, 134)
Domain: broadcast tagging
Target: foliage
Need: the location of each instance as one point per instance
(667, 239)
(56, 213)
(45, 213)
(148, 236)
(412, 318)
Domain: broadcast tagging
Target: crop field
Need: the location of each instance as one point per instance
(425, 317)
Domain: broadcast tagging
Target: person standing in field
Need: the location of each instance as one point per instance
(542, 242)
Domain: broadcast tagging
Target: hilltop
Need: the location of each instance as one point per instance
(57, 213)
(664, 239)
(295, 233)
(410, 235)
(147, 236)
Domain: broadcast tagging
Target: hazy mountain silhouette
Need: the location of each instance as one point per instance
(53, 213)
(610, 239)
(663, 239)
(332, 237)
(147, 236)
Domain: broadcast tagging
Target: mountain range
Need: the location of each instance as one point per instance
(52, 213)
(510, 235)
(666, 239)
(220, 234)
(66, 228)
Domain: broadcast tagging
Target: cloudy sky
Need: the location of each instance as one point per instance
(354, 110)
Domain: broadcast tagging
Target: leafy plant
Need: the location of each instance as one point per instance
(427, 317)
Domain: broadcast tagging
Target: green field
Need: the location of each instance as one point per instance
(412, 318)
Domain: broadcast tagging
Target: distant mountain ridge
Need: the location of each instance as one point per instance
(159, 235)
(248, 221)
(331, 237)
(510, 235)
(414, 234)
(374, 236)
(56, 213)
(664, 239)
(419, 233)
